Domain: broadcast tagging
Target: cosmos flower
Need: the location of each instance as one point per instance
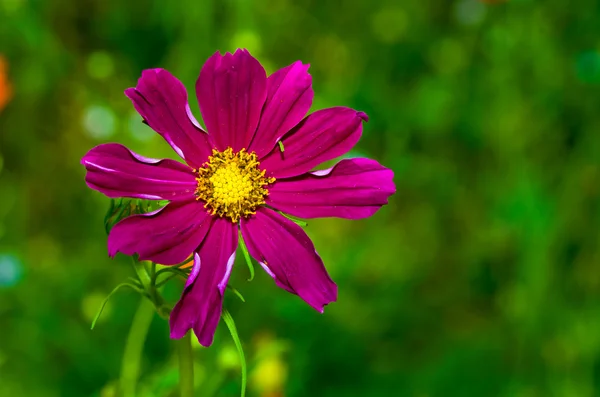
(253, 162)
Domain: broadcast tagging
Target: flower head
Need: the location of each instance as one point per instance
(231, 184)
(253, 162)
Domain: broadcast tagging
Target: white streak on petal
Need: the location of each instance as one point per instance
(322, 172)
(269, 272)
(223, 283)
(195, 270)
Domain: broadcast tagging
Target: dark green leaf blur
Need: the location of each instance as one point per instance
(480, 278)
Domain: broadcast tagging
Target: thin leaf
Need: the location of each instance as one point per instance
(297, 221)
(226, 316)
(247, 257)
(136, 282)
(117, 211)
(166, 280)
(185, 262)
(237, 293)
(108, 215)
(118, 287)
(175, 272)
(180, 272)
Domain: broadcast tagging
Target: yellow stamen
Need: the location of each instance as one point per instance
(231, 184)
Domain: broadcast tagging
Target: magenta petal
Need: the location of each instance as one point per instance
(167, 236)
(353, 189)
(288, 255)
(162, 101)
(231, 91)
(116, 171)
(322, 136)
(201, 302)
(289, 96)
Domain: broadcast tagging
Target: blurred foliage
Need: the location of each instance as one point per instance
(479, 279)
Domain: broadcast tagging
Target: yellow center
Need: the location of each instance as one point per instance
(231, 184)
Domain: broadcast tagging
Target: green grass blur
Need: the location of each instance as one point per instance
(482, 276)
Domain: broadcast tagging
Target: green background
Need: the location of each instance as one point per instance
(480, 278)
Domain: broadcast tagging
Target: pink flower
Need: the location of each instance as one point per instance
(237, 177)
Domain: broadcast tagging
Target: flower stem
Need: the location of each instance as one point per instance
(142, 272)
(130, 365)
(186, 366)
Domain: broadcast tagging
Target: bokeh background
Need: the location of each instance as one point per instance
(482, 276)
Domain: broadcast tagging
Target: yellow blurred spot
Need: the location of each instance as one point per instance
(229, 358)
(110, 390)
(11, 6)
(247, 39)
(270, 373)
(100, 65)
(269, 376)
(389, 24)
(5, 86)
(90, 305)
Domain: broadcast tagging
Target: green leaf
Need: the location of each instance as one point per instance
(247, 257)
(226, 316)
(297, 221)
(185, 262)
(122, 208)
(117, 210)
(237, 293)
(281, 146)
(118, 287)
(174, 273)
(175, 270)
(136, 282)
(109, 213)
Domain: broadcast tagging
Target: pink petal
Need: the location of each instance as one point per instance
(231, 92)
(288, 255)
(353, 189)
(201, 302)
(289, 96)
(162, 101)
(116, 171)
(322, 136)
(167, 236)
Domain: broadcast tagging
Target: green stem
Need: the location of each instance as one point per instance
(186, 366)
(132, 357)
(153, 271)
(142, 273)
(146, 273)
